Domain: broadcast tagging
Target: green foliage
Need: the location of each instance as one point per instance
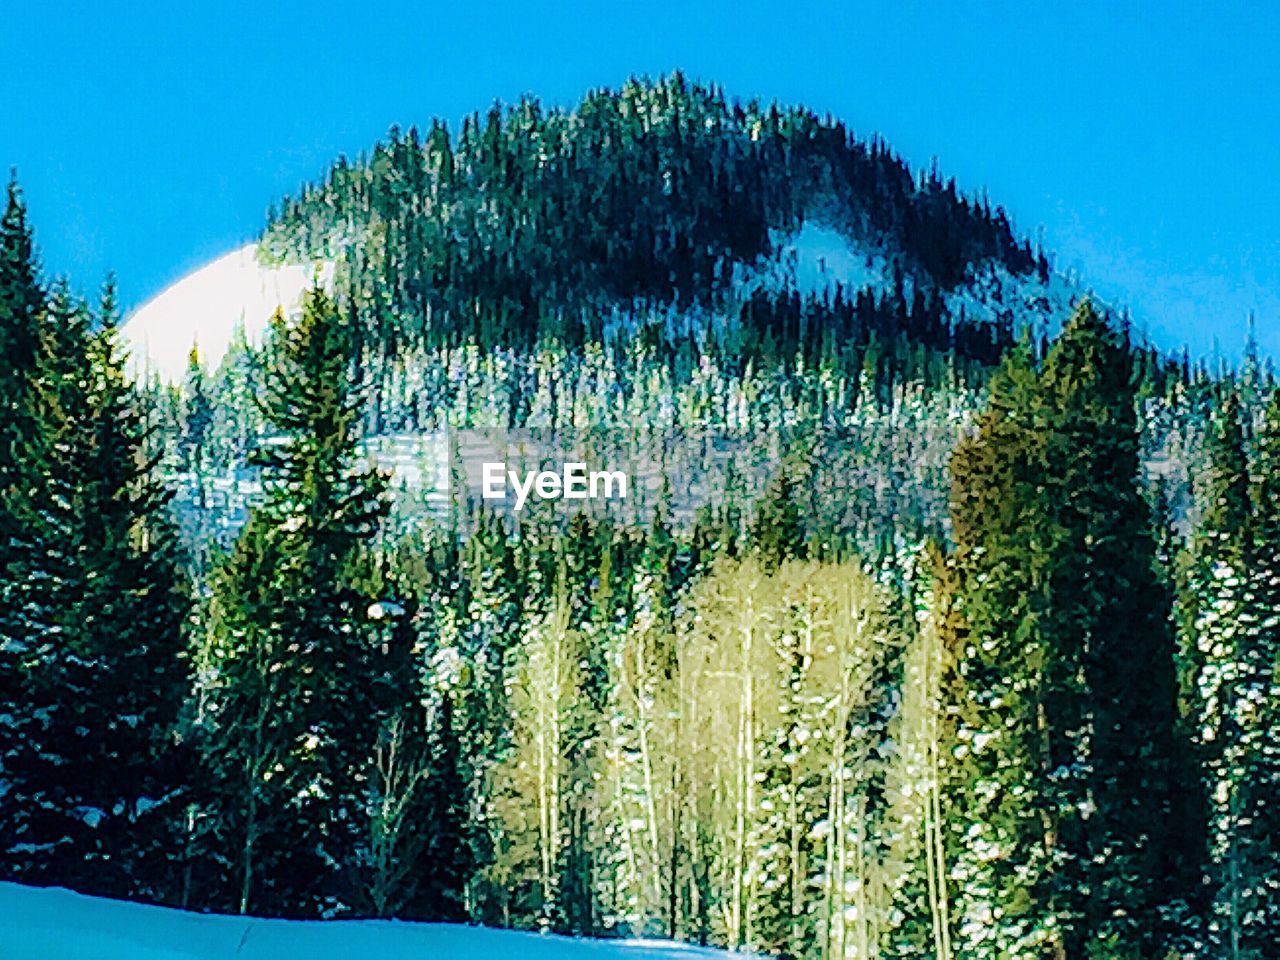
(530, 221)
(303, 674)
(1229, 624)
(95, 609)
(1078, 821)
(749, 710)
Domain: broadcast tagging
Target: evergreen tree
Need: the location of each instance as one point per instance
(100, 606)
(197, 416)
(22, 301)
(446, 824)
(1073, 652)
(1257, 842)
(1217, 607)
(40, 553)
(778, 528)
(252, 721)
(1112, 626)
(315, 668)
(1006, 866)
(22, 309)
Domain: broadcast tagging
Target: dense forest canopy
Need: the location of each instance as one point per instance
(932, 635)
(530, 220)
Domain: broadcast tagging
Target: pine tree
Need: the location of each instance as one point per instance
(197, 418)
(22, 301)
(1109, 623)
(40, 547)
(778, 528)
(1257, 846)
(101, 606)
(315, 659)
(22, 309)
(1005, 868)
(252, 721)
(138, 608)
(1077, 826)
(1217, 610)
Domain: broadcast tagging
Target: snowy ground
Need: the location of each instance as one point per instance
(44, 924)
(813, 260)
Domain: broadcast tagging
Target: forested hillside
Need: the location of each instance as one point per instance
(530, 221)
(943, 623)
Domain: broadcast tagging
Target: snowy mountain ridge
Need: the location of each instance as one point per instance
(206, 308)
(42, 923)
(817, 258)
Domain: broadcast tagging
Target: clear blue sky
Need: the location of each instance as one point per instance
(1145, 146)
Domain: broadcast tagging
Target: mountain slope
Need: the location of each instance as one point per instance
(531, 221)
(665, 195)
(40, 924)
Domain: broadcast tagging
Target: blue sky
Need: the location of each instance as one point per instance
(1143, 147)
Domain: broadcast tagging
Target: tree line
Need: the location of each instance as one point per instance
(529, 220)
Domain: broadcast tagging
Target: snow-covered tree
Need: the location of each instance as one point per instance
(96, 610)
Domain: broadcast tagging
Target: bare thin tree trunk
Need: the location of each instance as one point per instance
(646, 767)
(547, 744)
(861, 901)
(834, 893)
(255, 767)
(246, 851)
(934, 841)
(739, 925)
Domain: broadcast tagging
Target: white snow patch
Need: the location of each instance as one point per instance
(993, 292)
(204, 309)
(38, 924)
(822, 257)
(814, 260)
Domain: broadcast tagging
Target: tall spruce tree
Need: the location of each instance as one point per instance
(1077, 825)
(1006, 864)
(197, 418)
(98, 607)
(22, 311)
(1110, 625)
(310, 689)
(250, 722)
(22, 300)
(1217, 608)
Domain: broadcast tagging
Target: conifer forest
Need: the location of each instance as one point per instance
(939, 623)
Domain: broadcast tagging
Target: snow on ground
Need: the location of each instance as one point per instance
(813, 260)
(822, 257)
(204, 309)
(992, 292)
(50, 924)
